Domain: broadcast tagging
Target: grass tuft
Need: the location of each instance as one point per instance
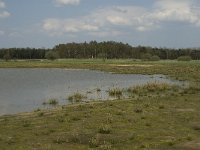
(105, 129)
(76, 97)
(115, 92)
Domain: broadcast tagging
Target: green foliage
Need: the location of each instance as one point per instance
(51, 55)
(102, 55)
(7, 56)
(184, 58)
(146, 56)
(155, 58)
(103, 50)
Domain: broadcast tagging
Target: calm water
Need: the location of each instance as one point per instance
(26, 89)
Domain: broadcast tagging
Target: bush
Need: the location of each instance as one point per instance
(146, 56)
(184, 58)
(51, 55)
(155, 58)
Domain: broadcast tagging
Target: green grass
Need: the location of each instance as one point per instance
(155, 117)
(121, 124)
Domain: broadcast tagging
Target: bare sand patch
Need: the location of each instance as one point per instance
(185, 110)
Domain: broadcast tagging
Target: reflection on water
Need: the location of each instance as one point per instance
(26, 89)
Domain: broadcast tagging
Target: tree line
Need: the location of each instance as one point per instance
(93, 49)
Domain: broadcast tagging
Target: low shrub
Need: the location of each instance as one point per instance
(184, 58)
(155, 58)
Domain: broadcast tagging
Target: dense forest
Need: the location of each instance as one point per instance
(93, 49)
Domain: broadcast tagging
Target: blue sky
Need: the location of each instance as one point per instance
(45, 23)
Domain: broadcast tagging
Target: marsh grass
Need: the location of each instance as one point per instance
(98, 90)
(150, 87)
(115, 92)
(76, 97)
(195, 86)
(51, 101)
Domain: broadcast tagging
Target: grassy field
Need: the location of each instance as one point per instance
(153, 118)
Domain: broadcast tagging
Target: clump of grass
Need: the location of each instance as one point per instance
(138, 110)
(10, 141)
(135, 89)
(52, 101)
(155, 86)
(59, 140)
(26, 123)
(196, 127)
(76, 97)
(40, 114)
(194, 86)
(149, 87)
(75, 118)
(104, 129)
(93, 143)
(105, 146)
(37, 110)
(98, 90)
(115, 92)
(119, 113)
(61, 119)
(161, 107)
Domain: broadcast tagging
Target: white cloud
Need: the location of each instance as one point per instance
(176, 11)
(2, 4)
(59, 26)
(67, 2)
(4, 14)
(117, 19)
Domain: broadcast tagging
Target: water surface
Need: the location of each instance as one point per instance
(24, 90)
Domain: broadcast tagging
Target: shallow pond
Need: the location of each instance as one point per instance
(24, 90)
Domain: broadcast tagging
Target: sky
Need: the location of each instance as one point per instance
(46, 23)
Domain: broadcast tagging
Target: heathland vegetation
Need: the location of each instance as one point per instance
(155, 116)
